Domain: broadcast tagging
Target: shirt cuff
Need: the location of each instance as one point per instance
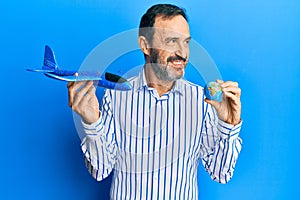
(229, 131)
(91, 129)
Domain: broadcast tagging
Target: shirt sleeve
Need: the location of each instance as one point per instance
(99, 143)
(220, 146)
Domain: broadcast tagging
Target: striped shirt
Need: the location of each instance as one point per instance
(154, 143)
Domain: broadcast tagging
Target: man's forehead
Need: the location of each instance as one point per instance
(168, 33)
(176, 26)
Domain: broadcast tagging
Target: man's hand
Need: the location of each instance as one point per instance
(229, 109)
(83, 100)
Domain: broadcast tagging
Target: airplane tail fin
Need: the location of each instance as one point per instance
(49, 59)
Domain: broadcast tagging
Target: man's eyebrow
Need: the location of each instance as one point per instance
(171, 38)
(176, 38)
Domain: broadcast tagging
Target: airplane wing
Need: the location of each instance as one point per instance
(101, 82)
(39, 70)
(73, 78)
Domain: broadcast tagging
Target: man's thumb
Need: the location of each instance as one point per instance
(211, 102)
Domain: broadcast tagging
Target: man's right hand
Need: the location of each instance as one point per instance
(83, 100)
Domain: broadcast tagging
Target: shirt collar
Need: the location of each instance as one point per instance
(142, 83)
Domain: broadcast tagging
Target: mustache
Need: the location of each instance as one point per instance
(172, 58)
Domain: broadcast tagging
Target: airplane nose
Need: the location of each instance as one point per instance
(125, 86)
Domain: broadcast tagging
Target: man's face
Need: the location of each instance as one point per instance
(170, 48)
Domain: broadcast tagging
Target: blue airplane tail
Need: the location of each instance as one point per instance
(49, 59)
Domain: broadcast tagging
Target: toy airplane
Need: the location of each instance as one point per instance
(51, 69)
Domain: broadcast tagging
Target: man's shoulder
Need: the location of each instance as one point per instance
(191, 84)
(133, 79)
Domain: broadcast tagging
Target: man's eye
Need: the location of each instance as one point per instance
(171, 41)
(187, 42)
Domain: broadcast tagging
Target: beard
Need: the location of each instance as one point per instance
(163, 71)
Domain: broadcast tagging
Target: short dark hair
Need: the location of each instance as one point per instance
(166, 11)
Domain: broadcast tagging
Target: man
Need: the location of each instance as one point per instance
(155, 135)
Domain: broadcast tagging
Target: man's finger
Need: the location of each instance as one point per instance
(70, 96)
(81, 93)
(77, 85)
(211, 102)
(234, 90)
(231, 96)
(70, 84)
(229, 83)
(73, 88)
(219, 81)
(87, 97)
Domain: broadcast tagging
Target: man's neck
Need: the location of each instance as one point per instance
(161, 86)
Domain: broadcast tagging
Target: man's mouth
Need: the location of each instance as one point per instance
(177, 63)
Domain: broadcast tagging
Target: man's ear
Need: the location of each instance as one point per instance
(144, 45)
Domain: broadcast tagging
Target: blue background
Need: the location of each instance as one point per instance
(253, 42)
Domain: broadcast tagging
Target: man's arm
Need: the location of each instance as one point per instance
(221, 144)
(98, 143)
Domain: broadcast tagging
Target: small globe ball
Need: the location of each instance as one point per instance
(213, 91)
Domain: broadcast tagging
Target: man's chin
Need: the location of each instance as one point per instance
(176, 76)
(177, 73)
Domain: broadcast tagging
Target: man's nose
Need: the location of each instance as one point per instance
(182, 51)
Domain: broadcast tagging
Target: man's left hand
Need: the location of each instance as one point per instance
(229, 109)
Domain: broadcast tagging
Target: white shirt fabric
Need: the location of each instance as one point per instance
(154, 144)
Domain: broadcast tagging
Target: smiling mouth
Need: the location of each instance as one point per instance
(178, 63)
